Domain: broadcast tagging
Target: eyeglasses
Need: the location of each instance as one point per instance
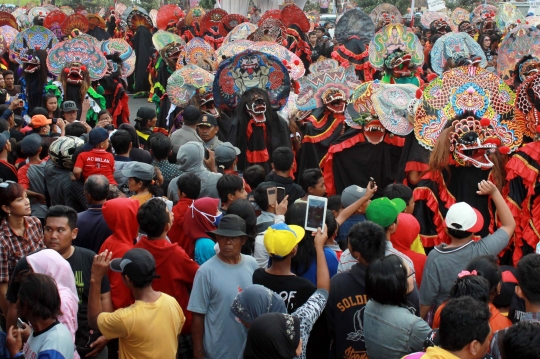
(412, 273)
(6, 184)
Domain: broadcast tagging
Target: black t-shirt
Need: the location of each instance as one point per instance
(8, 172)
(294, 290)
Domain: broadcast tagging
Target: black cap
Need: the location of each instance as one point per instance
(191, 115)
(207, 120)
(146, 113)
(230, 226)
(136, 263)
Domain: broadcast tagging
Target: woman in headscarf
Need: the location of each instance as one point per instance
(51, 263)
(202, 216)
(255, 301)
(274, 336)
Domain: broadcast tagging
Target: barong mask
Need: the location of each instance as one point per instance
(75, 73)
(257, 108)
(471, 142)
(468, 28)
(399, 64)
(441, 26)
(529, 68)
(207, 105)
(334, 100)
(31, 63)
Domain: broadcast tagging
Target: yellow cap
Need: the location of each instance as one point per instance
(280, 239)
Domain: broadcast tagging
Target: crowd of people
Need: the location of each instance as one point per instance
(185, 231)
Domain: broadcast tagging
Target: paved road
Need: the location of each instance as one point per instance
(134, 104)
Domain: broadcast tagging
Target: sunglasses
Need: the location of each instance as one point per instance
(6, 184)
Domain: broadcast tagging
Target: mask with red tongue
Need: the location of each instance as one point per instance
(75, 73)
(334, 100)
(257, 108)
(207, 105)
(399, 63)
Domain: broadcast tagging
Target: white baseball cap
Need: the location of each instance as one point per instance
(463, 217)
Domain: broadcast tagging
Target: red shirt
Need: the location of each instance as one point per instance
(176, 271)
(96, 162)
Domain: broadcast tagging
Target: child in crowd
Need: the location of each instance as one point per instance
(95, 159)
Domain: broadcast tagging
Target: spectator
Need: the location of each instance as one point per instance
(268, 214)
(282, 164)
(93, 229)
(226, 159)
(334, 205)
(60, 231)
(207, 129)
(522, 340)
(8, 172)
(15, 132)
(50, 103)
(274, 335)
(528, 289)
(70, 112)
(76, 129)
(144, 122)
(31, 147)
(20, 234)
(312, 182)
(39, 302)
(161, 149)
(402, 239)
(189, 187)
(95, 159)
(121, 216)
(254, 175)
(446, 261)
(243, 209)
(191, 159)
(136, 153)
(42, 126)
(147, 329)
(49, 262)
(347, 298)
(230, 188)
(176, 269)
(142, 181)
(122, 146)
(398, 190)
(202, 217)
(217, 283)
(188, 132)
(350, 195)
(9, 80)
(464, 331)
(391, 328)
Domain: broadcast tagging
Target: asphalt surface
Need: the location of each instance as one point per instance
(134, 104)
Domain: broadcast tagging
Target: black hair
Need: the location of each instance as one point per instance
(3, 109)
(309, 178)
(38, 293)
(153, 217)
(8, 195)
(160, 145)
(487, 267)
(45, 144)
(97, 187)
(473, 286)
(386, 281)
(334, 203)
(141, 282)
(190, 184)
(463, 320)
(40, 111)
(228, 184)
(331, 224)
(120, 141)
(65, 212)
(457, 234)
(76, 129)
(4, 126)
(7, 72)
(244, 209)
(282, 159)
(398, 190)
(296, 214)
(368, 239)
(254, 175)
(528, 279)
(522, 340)
(103, 112)
(260, 195)
(320, 28)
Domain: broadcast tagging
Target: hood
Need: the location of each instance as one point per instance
(190, 157)
(121, 216)
(161, 249)
(407, 230)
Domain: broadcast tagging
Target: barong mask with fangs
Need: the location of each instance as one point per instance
(468, 28)
(334, 100)
(30, 62)
(257, 108)
(75, 73)
(374, 131)
(471, 143)
(398, 64)
(441, 26)
(488, 24)
(170, 53)
(464, 59)
(529, 68)
(207, 105)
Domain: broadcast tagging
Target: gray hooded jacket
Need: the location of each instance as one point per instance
(190, 159)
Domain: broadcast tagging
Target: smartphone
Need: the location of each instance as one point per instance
(20, 323)
(371, 182)
(21, 103)
(280, 194)
(316, 213)
(272, 195)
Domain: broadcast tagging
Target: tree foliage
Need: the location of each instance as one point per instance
(207, 4)
(402, 5)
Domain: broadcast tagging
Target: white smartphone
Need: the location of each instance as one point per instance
(316, 213)
(272, 195)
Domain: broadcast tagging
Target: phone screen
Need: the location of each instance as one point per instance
(280, 194)
(272, 195)
(315, 213)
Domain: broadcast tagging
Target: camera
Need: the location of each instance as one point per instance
(54, 121)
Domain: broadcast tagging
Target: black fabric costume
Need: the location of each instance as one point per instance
(142, 44)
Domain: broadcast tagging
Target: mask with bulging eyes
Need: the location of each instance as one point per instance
(257, 108)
